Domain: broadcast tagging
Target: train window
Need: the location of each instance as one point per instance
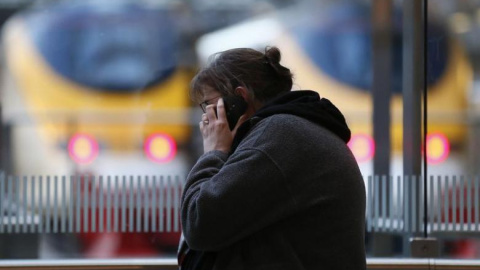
(98, 129)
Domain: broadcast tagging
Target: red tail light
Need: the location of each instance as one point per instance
(362, 146)
(438, 148)
(82, 148)
(160, 147)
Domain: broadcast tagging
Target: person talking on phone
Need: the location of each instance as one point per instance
(277, 187)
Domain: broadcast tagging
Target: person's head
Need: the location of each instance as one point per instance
(257, 77)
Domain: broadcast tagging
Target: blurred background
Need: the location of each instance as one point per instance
(94, 102)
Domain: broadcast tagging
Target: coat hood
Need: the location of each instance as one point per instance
(306, 104)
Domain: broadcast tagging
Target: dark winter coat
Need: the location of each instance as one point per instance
(289, 196)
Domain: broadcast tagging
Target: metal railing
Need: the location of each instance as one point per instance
(397, 204)
(170, 264)
(82, 204)
(65, 204)
(421, 264)
(89, 264)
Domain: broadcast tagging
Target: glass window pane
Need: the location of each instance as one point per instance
(99, 131)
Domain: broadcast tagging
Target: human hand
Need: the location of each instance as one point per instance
(214, 128)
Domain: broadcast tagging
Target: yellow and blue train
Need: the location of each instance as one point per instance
(333, 50)
(328, 46)
(102, 87)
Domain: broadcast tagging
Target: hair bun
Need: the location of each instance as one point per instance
(273, 55)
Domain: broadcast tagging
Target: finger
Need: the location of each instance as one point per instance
(211, 115)
(203, 128)
(221, 114)
(205, 119)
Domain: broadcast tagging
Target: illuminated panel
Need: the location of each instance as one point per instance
(362, 146)
(438, 148)
(82, 148)
(160, 147)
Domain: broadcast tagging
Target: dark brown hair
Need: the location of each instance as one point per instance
(261, 73)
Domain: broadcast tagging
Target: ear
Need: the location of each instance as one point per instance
(242, 91)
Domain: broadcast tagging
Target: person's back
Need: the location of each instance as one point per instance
(327, 189)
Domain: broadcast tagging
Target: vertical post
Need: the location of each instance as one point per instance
(474, 144)
(381, 91)
(6, 163)
(413, 76)
(382, 83)
(414, 72)
(2, 165)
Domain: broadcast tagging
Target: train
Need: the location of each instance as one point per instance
(93, 82)
(328, 47)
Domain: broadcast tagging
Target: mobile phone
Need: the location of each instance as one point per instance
(235, 106)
